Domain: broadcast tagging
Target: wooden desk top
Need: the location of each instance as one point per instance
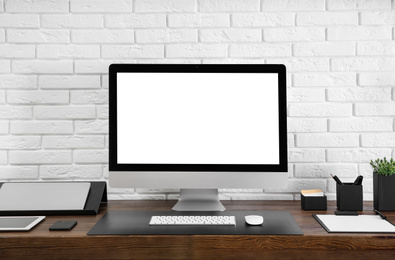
(316, 242)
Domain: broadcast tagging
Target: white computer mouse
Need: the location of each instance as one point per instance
(254, 220)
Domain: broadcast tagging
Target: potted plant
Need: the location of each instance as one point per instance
(383, 184)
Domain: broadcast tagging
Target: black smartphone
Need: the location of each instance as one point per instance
(63, 225)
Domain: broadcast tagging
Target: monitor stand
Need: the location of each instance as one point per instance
(199, 200)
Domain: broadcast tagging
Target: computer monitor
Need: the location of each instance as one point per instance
(198, 128)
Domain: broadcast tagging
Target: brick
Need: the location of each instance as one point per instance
(3, 127)
(295, 185)
(42, 67)
(375, 109)
(37, 6)
(325, 170)
(305, 95)
(229, 6)
(365, 170)
(2, 96)
(150, 6)
(352, 33)
(18, 82)
(90, 156)
(89, 97)
(20, 172)
(102, 36)
(15, 112)
(196, 51)
(306, 125)
(378, 140)
(20, 142)
(359, 94)
(376, 48)
(64, 112)
(68, 51)
(5, 66)
(327, 18)
(3, 157)
(247, 196)
(291, 140)
(230, 35)
(40, 157)
(327, 49)
(100, 6)
(334, 79)
(134, 51)
(102, 112)
(378, 18)
(356, 124)
(71, 21)
(91, 127)
(327, 140)
(19, 21)
(41, 127)
(127, 196)
(263, 19)
(71, 172)
(232, 61)
(358, 4)
(363, 64)
(69, 82)
(376, 79)
(166, 36)
(17, 51)
(91, 66)
(356, 155)
(169, 61)
(2, 35)
(38, 97)
(104, 81)
(320, 110)
(135, 21)
(38, 36)
(72, 142)
(299, 155)
(302, 64)
(294, 34)
(201, 20)
(262, 50)
(293, 5)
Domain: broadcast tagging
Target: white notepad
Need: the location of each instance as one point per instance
(355, 224)
(44, 196)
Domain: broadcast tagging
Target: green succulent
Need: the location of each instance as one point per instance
(383, 167)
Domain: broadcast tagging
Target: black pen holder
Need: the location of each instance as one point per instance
(349, 197)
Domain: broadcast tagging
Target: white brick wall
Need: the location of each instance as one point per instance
(54, 57)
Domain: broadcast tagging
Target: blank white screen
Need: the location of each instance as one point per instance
(198, 118)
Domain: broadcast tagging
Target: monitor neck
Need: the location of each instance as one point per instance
(199, 200)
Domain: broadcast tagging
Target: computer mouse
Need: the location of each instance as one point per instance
(254, 220)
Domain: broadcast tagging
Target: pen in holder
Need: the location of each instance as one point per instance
(349, 197)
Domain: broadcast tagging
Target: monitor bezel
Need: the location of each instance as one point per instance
(198, 68)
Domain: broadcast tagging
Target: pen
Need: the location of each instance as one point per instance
(358, 180)
(381, 215)
(338, 181)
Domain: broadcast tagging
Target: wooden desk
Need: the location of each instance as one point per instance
(40, 243)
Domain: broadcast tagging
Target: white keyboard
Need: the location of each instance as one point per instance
(193, 220)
